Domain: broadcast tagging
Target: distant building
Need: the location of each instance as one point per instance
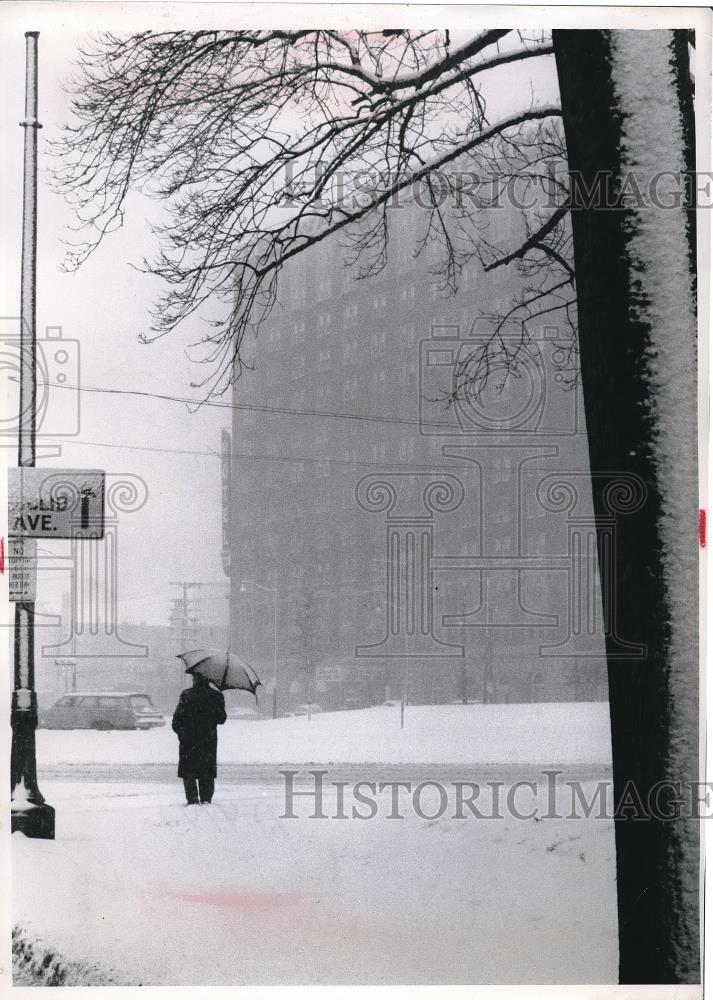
(148, 665)
(347, 384)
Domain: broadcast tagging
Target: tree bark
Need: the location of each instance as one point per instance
(626, 101)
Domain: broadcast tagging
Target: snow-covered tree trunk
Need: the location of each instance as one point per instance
(627, 108)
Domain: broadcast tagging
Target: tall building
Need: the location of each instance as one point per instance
(417, 545)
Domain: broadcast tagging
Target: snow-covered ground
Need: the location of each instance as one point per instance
(233, 894)
(547, 733)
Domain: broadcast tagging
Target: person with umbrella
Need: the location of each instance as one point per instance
(200, 710)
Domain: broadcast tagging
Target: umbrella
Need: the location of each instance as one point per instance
(224, 669)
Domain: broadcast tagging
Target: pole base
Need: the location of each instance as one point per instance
(37, 821)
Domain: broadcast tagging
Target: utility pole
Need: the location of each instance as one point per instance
(464, 663)
(309, 690)
(219, 597)
(30, 814)
(183, 615)
(488, 674)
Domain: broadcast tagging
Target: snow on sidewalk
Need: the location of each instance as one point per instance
(232, 894)
(547, 733)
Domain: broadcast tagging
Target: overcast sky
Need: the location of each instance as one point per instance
(104, 307)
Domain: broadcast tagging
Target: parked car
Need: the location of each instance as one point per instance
(242, 713)
(101, 710)
(304, 710)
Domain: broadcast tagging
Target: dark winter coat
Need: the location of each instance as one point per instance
(199, 711)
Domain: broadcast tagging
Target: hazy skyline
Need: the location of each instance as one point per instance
(104, 306)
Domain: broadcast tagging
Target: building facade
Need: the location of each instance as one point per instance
(418, 546)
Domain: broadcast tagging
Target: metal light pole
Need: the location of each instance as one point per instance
(273, 591)
(30, 814)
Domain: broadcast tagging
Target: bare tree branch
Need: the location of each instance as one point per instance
(262, 144)
(533, 242)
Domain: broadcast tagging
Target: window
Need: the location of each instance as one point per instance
(503, 545)
(501, 469)
(300, 287)
(534, 507)
(141, 701)
(501, 514)
(325, 283)
(405, 373)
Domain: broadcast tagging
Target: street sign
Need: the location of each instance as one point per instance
(55, 503)
(22, 570)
